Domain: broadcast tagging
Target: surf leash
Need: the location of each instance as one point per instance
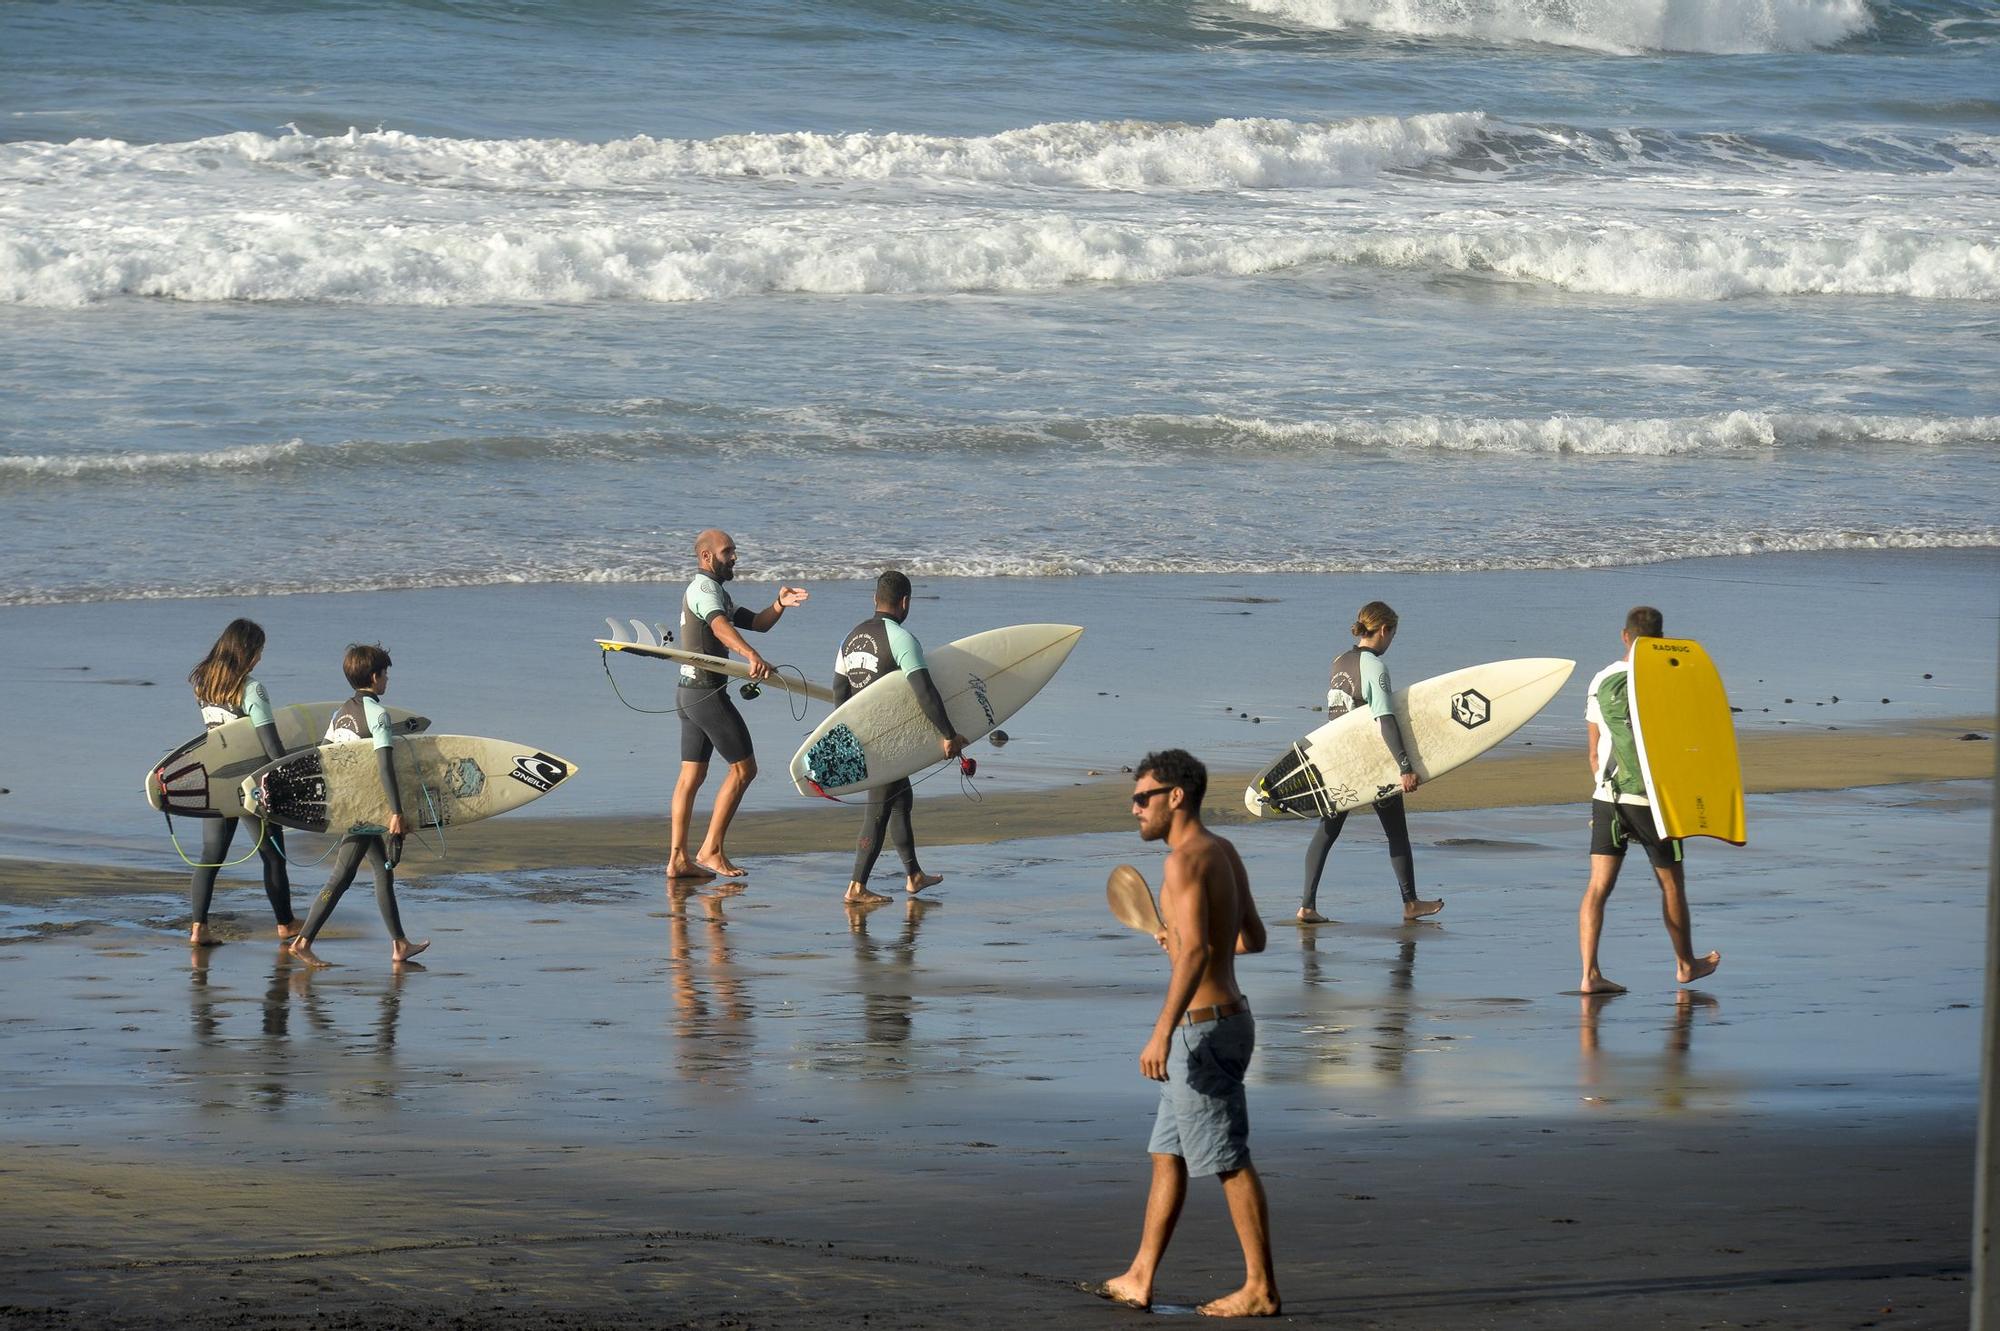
(798, 702)
(249, 855)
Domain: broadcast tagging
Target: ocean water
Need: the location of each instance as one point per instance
(325, 295)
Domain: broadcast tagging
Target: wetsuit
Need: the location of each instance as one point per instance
(217, 833)
(710, 722)
(1359, 679)
(1620, 812)
(877, 647)
(360, 718)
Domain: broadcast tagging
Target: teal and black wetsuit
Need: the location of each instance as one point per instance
(363, 717)
(710, 722)
(217, 833)
(877, 647)
(1360, 679)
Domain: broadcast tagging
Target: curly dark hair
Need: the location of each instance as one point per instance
(1178, 767)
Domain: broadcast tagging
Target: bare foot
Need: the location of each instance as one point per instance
(682, 869)
(405, 949)
(302, 949)
(1309, 916)
(1127, 1289)
(199, 936)
(858, 895)
(917, 882)
(1416, 910)
(288, 931)
(1702, 966)
(1245, 1302)
(718, 865)
(1597, 984)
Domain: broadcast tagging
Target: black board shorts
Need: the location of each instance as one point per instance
(1613, 827)
(710, 724)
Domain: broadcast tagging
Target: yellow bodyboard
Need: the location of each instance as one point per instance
(1687, 741)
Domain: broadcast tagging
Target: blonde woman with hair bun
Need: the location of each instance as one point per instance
(1359, 679)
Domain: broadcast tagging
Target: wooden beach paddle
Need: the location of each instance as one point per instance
(1132, 901)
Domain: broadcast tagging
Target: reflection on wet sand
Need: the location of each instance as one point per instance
(266, 1065)
(1667, 1079)
(712, 1008)
(1391, 1016)
(884, 971)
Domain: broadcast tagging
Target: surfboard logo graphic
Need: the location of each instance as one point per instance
(539, 770)
(1471, 709)
(979, 692)
(465, 780)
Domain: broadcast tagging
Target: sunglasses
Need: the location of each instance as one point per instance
(1141, 798)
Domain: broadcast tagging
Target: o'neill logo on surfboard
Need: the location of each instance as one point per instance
(538, 770)
(979, 692)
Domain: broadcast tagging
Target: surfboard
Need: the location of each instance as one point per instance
(1447, 721)
(202, 778)
(445, 780)
(722, 665)
(881, 734)
(1131, 900)
(1686, 738)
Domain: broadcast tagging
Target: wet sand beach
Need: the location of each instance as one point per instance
(596, 1104)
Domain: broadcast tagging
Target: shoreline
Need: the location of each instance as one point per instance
(1907, 753)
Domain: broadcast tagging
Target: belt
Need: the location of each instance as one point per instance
(1196, 1015)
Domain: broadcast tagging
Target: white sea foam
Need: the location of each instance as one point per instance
(28, 468)
(1022, 562)
(293, 257)
(1615, 26)
(1199, 437)
(1725, 432)
(1115, 155)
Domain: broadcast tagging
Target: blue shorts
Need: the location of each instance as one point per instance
(1204, 1117)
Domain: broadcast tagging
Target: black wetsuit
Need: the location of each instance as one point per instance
(877, 647)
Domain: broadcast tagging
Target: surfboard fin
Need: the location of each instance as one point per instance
(617, 633)
(643, 635)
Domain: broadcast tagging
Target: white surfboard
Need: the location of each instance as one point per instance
(445, 780)
(881, 734)
(651, 646)
(201, 778)
(1447, 721)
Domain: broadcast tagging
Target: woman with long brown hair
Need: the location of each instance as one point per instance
(225, 691)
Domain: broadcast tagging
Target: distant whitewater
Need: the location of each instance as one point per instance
(1720, 27)
(388, 218)
(335, 296)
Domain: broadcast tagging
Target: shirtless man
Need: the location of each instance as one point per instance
(1201, 1044)
(1621, 813)
(713, 624)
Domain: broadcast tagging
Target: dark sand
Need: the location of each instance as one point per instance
(601, 1106)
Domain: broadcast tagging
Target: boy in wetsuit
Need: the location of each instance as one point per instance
(881, 646)
(1621, 814)
(363, 718)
